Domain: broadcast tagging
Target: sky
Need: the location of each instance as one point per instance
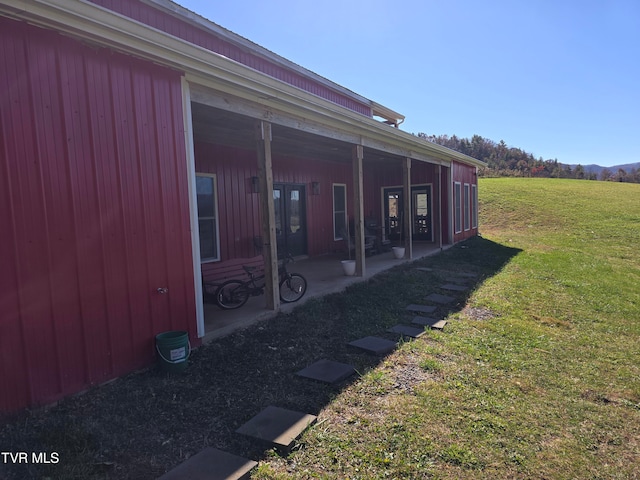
(559, 79)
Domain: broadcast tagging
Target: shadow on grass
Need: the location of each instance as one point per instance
(146, 423)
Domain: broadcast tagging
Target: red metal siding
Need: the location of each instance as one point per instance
(165, 22)
(239, 215)
(94, 212)
(465, 174)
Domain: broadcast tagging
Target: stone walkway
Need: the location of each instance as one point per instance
(279, 428)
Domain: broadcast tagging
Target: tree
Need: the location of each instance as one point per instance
(605, 175)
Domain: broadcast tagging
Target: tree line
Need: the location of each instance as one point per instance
(505, 161)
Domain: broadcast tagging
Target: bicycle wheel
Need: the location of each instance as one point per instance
(292, 288)
(232, 294)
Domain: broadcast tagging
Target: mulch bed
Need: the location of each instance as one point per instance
(146, 423)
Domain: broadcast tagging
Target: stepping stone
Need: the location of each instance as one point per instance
(437, 298)
(439, 325)
(458, 280)
(455, 288)
(407, 331)
(421, 308)
(327, 371)
(429, 322)
(424, 321)
(374, 345)
(277, 426)
(466, 274)
(211, 464)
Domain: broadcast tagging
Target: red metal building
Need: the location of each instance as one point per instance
(143, 147)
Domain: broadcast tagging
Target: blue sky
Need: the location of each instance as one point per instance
(558, 79)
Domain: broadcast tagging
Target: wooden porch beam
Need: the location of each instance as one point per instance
(358, 208)
(406, 224)
(267, 214)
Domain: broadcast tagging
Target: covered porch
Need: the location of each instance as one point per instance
(324, 275)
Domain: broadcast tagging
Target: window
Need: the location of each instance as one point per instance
(208, 217)
(339, 210)
(467, 211)
(458, 207)
(474, 206)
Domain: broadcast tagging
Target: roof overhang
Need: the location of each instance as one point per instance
(104, 27)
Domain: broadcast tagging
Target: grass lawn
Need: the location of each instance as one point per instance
(547, 387)
(536, 375)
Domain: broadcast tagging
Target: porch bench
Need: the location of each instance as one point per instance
(214, 273)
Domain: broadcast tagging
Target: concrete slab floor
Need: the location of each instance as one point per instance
(324, 275)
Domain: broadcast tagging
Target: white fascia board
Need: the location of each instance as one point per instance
(387, 113)
(201, 66)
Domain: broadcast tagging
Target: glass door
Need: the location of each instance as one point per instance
(421, 211)
(393, 210)
(290, 219)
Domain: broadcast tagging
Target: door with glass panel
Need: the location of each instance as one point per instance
(290, 219)
(421, 212)
(421, 227)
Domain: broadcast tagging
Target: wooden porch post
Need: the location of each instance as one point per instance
(439, 209)
(358, 208)
(406, 224)
(267, 214)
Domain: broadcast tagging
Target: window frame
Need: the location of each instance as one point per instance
(336, 235)
(457, 207)
(215, 218)
(466, 196)
(474, 206)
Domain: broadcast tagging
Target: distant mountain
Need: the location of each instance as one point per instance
(597, 168)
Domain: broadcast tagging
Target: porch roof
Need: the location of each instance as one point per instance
(274, 98)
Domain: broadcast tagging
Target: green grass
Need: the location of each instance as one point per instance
(547, 386)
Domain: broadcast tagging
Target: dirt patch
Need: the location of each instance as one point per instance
(479, 313)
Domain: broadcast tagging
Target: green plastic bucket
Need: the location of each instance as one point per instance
(173, 350)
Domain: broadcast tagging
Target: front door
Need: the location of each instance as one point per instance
(290, 215)
(421, 211)
(393, 212)
(421, 228)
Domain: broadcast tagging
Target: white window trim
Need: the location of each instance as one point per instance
(474, 206)
(466, 214)
(336, 235)
(457, 186)
(217, 216)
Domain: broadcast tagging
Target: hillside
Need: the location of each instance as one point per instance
(506, 161)
(598, 169)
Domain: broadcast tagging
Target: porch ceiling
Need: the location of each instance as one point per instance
(222, 127)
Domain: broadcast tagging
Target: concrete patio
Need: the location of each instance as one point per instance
(324, 275)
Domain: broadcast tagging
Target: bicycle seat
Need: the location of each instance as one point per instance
(249, 268)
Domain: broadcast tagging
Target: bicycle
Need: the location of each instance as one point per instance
(235, 293)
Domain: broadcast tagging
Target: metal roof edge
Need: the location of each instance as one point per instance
(203, 22)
